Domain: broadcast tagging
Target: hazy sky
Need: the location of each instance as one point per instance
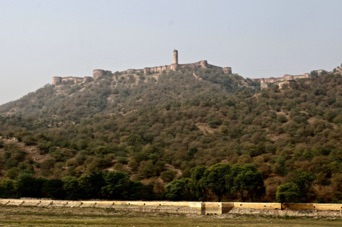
(257, 38)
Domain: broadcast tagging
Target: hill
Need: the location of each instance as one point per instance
(159, 127)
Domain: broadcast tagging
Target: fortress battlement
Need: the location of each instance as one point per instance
(98, 73)
(70, 79)
(265, 82)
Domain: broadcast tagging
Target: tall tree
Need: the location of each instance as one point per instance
(53, 189)
(117, 185)
(303, 180)
(215, 179)
(248, 180)
(91, 185)
(178, 190)
(197, 183)
(72, 188)
(28, 186)
(7, 188)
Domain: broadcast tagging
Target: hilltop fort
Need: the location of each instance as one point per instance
(98, 73)
(264, 82)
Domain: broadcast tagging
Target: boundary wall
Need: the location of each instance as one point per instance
(200, 208)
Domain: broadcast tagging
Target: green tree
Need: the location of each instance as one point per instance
(117, 186)
(147, 169)
(28, 186)
(7, 189)
(91, 185)
(215, 179)
(168, 175)
(71, 188)
(249, 181)
(197, 182)
(303, 180)
(53, 189)
(288, 193)
(178, 190)
(139, 191)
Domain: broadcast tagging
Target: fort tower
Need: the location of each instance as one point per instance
(175, 57)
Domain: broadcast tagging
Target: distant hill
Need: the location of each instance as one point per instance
(157, 127)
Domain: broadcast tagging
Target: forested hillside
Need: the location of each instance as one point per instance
(179, 135)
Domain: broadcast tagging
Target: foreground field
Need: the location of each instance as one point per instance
(38, 216)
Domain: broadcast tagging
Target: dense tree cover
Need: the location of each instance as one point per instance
(221, 181)
(298, 189)
(174, 129)
(97, 185)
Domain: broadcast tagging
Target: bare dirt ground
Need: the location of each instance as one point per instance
(53, 216)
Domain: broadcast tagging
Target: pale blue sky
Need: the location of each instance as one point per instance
(257, 38)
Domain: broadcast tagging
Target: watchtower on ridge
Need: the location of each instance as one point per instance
(175, 57)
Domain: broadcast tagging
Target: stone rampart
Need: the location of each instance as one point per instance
(57, 80)
(98, 73)
(281, 81)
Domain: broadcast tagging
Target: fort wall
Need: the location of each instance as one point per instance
(281, 81)
(99, 73)
(56, 80)
(199, 208)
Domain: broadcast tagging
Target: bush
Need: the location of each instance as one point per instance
(168, 175)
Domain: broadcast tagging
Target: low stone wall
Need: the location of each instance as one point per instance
(311, 206)
(288, 209)
(134, 206)
(159, 206)
(258, 206)
(199, 208)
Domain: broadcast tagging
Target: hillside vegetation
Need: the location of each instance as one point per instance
(178, 135)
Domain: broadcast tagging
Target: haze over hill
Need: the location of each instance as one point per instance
(169, 131)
